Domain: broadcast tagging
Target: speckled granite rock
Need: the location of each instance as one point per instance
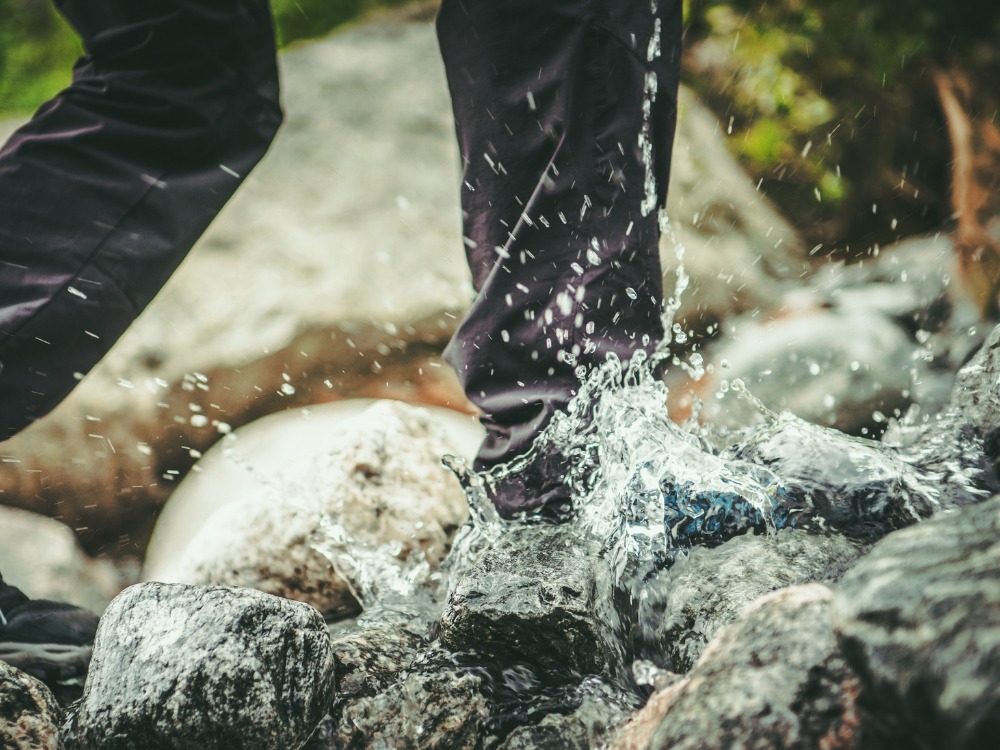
(203, 668)
(29, 714)
(433, 705)
(919, 618)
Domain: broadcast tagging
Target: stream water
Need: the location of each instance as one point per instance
(645, 491)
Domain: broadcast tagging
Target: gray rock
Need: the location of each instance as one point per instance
(847, 370)
(684, 606)
(774, 679)
(187, 667)
(586, 727)
(41, 557)
(537, 596)
(433, 705)
(975, 401)
(859, 487)
(919, 618)
(29, 713)
(368, 661)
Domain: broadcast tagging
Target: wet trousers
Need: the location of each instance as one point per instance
(565, 115)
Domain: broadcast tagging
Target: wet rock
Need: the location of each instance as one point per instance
(684, 606)
(283, 445)
(773, 679)
(586, 727)
(919, 618)
(975, 401)
(435, 704)
(29, 713)
(186, 667)
(858, 487)
(374, 497)
(540, 596)
(42, 558)
(368, 660)
(847, 370)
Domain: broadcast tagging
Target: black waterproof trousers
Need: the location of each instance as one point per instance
(565, 111)
(565, 114)
(106, 189)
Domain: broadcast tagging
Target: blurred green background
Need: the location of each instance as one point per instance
(833, 107)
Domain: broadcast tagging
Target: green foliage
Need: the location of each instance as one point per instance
(832, 105)
(37, 48)
(37, 51)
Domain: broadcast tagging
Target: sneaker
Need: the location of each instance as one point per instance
(48, 640)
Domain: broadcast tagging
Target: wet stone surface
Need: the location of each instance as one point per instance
(432, 704)
(688, 603)
(919, 618)
(773, 679)
(541, 595)
(29, 713)
(189, 667)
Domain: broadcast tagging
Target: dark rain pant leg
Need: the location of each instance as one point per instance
(565, 112)
(105, 190)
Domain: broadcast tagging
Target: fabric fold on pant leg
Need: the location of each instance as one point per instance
(104, 191)
(566, 154)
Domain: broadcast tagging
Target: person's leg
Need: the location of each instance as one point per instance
(105, 190)
(565, 112)
(102, 194)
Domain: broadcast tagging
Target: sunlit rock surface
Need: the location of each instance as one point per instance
(919, 618)
(29, 713)
(202, 668)
(372, 493)
(42, 558)
(710, 588)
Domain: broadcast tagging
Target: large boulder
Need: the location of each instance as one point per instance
(919, 619)
(363, 503)
(29, 713)
(684, 606)
(195, 668)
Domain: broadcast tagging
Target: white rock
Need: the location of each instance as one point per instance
(368, 494)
